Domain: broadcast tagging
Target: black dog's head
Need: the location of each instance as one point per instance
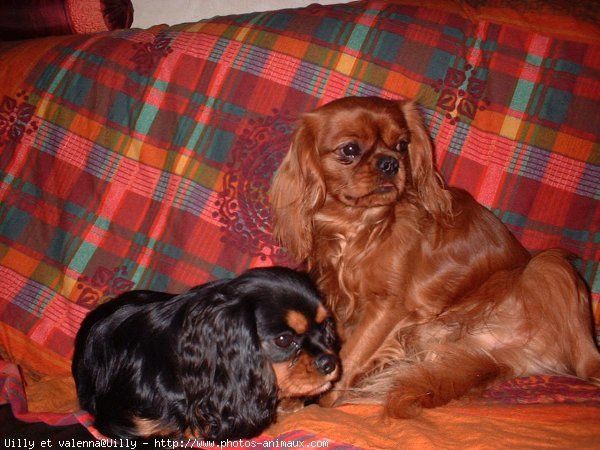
(210, 363)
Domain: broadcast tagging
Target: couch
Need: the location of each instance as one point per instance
(142, 158)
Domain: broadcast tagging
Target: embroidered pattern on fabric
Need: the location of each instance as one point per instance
(538, 389)
(243, 203)
(462, 93)
(148, 54)
(103, 285)
(16, 118)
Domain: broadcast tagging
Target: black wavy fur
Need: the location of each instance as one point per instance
(196, 363)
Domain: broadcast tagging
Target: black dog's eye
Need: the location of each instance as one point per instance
(350, 151)
(402, 146)
(284, 340)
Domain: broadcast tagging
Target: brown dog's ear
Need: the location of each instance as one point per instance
(427, 181)
(298, 191)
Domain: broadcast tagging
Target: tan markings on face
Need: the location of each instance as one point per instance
(297, 321)
(321, 315)
(300, 378)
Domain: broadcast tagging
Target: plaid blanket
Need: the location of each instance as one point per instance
(142, 158)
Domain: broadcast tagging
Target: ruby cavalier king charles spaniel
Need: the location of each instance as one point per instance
(433, 297)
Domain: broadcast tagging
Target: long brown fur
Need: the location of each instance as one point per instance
(432, 294)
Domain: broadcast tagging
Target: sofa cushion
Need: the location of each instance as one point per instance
(23, 19)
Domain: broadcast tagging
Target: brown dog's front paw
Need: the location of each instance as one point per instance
(331, 399)
(290, 405)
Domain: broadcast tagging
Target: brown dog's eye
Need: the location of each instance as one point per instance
(350, 151)
(402, 146)
(284, 340)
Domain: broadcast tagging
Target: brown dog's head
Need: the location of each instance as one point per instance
(359, 152)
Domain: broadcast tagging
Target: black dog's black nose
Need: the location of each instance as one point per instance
(388, 165)
(326, 364)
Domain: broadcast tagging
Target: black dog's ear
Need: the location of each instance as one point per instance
(229, 384)
(332, 339)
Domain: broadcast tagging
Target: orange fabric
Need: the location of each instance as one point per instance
(544, 19)
(52, 393)
(23, 57)
(33, 357)
(460, 426)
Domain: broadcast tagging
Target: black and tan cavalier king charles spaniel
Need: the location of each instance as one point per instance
(212, 363)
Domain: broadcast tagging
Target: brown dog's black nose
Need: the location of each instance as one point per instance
(388, 165)
(326, 364)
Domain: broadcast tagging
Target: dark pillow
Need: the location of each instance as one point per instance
(23, 19)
